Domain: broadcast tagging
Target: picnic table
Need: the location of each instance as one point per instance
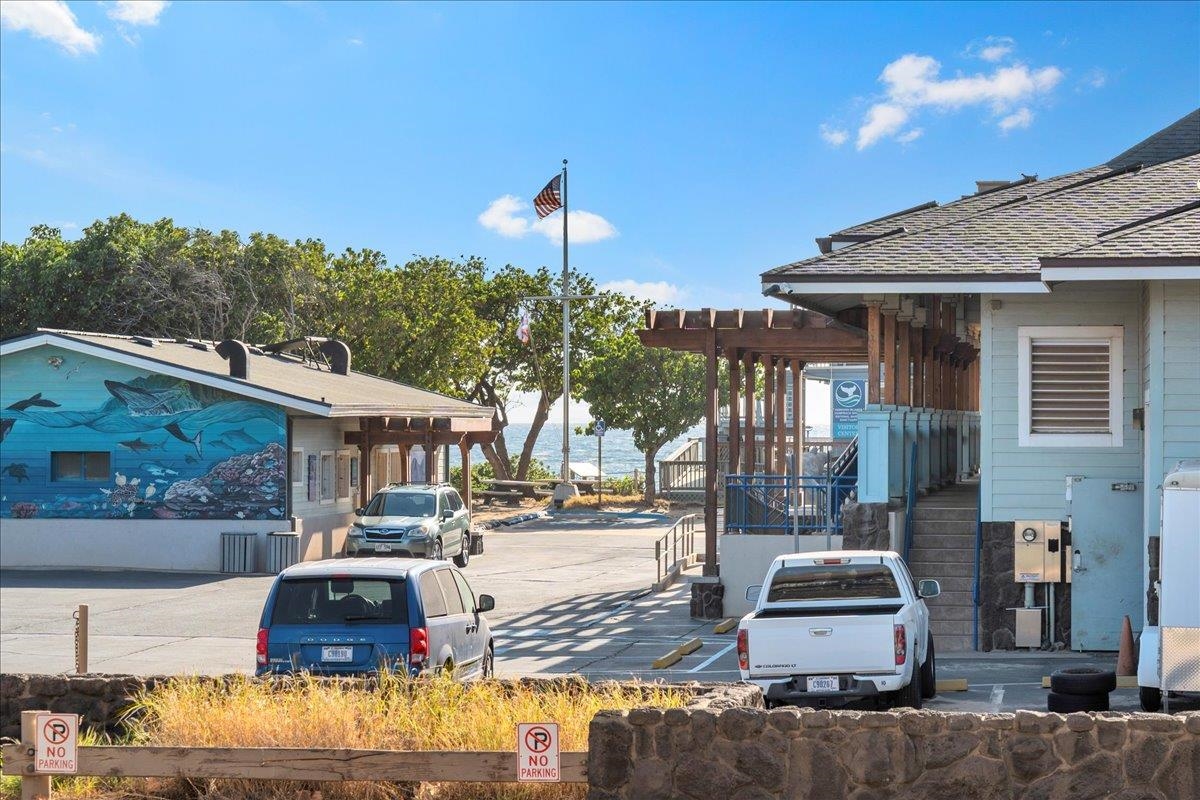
(513, 492)
(585, 485)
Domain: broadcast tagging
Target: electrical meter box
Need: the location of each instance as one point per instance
(1037, 551)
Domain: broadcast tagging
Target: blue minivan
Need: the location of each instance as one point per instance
(365, 615)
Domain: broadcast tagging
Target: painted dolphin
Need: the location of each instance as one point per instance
(36, 400)
(152, 403)
(138, 446)
(240, 438)
(5, 427)
(18, 472)
(195, 441)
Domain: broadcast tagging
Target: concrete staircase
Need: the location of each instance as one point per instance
(943, 548)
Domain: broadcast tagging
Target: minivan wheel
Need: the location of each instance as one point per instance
(464, 555)
(488, 668)
(436, 552)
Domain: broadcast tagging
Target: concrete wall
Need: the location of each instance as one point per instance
(753, 754)
(745, 559)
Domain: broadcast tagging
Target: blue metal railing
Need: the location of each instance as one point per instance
(910, 501)
(786, 503)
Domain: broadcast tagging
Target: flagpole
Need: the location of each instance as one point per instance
(566, 277)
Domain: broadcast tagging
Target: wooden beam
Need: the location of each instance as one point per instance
(735, 445)
(768, 414)
(874, 349)
(798, 415)
(711, 410)
(889, 359)
(792, 340)
(464, 451)
(904, 364)
(780, 416)
(749, 373)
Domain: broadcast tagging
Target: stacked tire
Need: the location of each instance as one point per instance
(1080, 689)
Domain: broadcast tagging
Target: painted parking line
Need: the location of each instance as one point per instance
(711, 659)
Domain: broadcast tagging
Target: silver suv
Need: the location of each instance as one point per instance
(414, 522)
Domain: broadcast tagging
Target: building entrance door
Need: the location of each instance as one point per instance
(1106, 560)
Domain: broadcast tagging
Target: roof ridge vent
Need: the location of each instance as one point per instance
(144, 340)
(238, 356)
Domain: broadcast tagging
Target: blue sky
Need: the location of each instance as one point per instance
(710, 142)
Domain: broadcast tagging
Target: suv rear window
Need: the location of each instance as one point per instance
(834, 582)
(333, 601)
(401, 504)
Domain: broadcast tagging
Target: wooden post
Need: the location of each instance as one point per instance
(749, 462)
(734, 464)
(780, 416)
(404, 465)
(768, 414)
(916, 348)
(711, 410)
(464, 449)
(889, 358)
(904, 365)
(33, 787)
(798, 414)
(873, 351)
(365, 467)
(81, 640)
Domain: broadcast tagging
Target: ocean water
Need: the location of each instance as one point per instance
(621, 456)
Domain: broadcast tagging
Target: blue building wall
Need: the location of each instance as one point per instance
(178, 450)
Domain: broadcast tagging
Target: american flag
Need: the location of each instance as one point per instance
(549, 199)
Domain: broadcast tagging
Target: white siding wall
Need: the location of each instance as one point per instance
(1029, 482)
(322, 526)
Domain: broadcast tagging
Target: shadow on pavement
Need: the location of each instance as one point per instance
(101, 579)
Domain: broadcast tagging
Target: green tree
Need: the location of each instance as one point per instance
(655, 393)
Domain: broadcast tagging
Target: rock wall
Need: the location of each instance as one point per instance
(998, 592)
(753, 754)
(865, 526)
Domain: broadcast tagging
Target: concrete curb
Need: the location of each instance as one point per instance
(725, 625)
(674, 656)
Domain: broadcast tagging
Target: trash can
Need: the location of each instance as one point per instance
(283, 550)
(237, 552)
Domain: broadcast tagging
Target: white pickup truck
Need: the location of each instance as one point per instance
(832, 627)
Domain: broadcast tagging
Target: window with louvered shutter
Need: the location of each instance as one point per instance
(1070, 386)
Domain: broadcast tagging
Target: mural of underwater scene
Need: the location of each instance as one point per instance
(86, 438)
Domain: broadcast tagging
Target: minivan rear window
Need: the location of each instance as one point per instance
(334, 601)
(833, 582)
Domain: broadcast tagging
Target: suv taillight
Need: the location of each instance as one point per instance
(901, 644)
(743, 649)
(260, 645)
(418, 646)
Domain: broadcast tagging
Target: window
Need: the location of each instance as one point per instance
(454, 602)
(77, 466)
(453, 501)
(343, 475)
(464, 591)
(834, 582)
(328, 478)
(326, 601)
(354, 471)
(1069, 386)
(401, 504)
(297, 466)
(431, 596)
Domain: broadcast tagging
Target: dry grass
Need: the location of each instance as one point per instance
(397, 715)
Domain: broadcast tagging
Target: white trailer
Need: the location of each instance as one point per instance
(1169, 664)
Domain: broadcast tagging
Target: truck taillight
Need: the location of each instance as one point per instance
(743, 649)
(260, 645)
(901, 644)
(418, 646)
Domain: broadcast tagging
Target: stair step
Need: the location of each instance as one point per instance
(951, 643)
(944, 541)
(943, 555)
(947, 526)
(944, 514)
(940, 570)
(952, 583)
(938, 614)
(949, 598)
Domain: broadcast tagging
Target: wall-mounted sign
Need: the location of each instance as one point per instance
(846, 399)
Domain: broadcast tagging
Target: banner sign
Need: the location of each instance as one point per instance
(846, 399)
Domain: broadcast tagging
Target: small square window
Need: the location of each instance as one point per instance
(80, 466)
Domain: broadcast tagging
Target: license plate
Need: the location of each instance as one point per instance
(337, 654)
(383, 548)
(823, 683)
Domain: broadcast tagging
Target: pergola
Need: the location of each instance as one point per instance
(779, 340)
(429, 432)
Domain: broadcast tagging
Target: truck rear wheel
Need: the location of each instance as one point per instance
(910, 696)
(929, 673)
(1151, 698)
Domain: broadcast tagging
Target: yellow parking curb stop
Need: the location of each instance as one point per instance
(667, 660)
(725, 625)
(952, 685)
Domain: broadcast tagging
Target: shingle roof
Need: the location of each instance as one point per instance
(1004, 232)
(290, 376)
(1170, 238)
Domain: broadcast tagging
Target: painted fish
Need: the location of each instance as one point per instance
(138, 446)
(156, 469)
(5, 427)
(153, 403)
(221, 443)
(196, 441)
(241, 439)
(36, 400)
(18, 472)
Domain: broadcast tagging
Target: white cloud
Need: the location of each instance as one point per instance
(1095, 78)
(834, 136)
(883, 119)
(910, 135)
(505, 216)
(354, 40)
(657, 292)
(1021, 118)
(992, 48)
(137, 12)
(913, 82)
(48, 19)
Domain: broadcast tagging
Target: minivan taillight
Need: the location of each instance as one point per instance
(418, 646)
(901, 644)
(260, 645)
(743, 649)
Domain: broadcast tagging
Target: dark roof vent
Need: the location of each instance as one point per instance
(338, 353)
(238, 356)
(142, 340)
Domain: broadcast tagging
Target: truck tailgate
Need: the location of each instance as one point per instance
(813, 645)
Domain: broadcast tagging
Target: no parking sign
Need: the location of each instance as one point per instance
(537, 751)
(57, 737)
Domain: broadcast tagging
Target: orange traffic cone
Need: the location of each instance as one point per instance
(1126, 663)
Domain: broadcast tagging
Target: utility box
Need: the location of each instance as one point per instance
(1037, 551)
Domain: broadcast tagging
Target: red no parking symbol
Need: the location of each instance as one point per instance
(538, 739)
